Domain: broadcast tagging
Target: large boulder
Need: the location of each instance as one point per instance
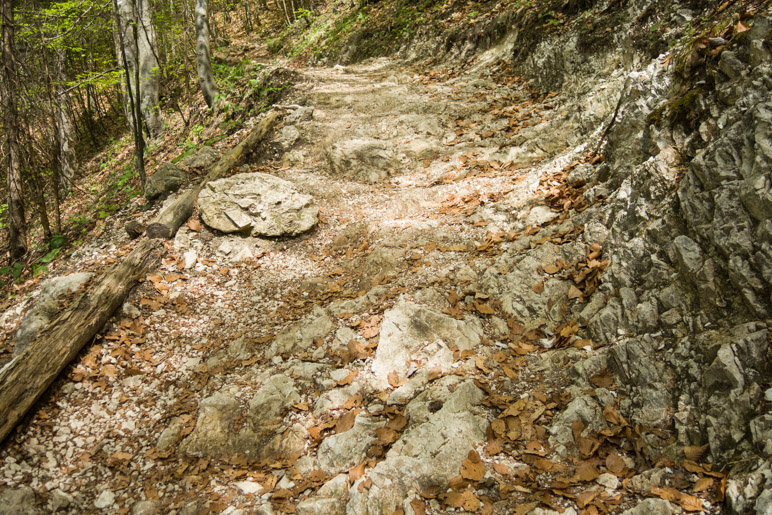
(167, 179)
(257, 204)
(368, 160)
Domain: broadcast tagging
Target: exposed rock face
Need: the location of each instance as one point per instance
(413, 332)
(689, 202)
(167, 179)
(429, 452)
(367, 160)
(257, 204)
(46, 307)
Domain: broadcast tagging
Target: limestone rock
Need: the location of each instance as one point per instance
(320, 506)
(46, 307)
(167, 179)
(368, 160)
(345, 450)
(413, 332)
(265, 408)
(148, 507)
(211, 437)
(18, 501)
(202, 159)
(257, 204)
(652, 507)
(300, 336)
(430, 450)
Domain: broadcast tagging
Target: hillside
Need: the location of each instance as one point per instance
(509, 258)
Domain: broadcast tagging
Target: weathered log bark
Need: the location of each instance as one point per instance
(171, 218)
(24, 379)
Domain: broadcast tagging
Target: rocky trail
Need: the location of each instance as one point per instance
(425, 332)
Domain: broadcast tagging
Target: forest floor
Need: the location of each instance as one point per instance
(270, 376)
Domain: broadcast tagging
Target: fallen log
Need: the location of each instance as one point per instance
(174, 215)
(25, 378)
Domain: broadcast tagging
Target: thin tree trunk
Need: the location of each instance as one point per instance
(203, 64)
(17, 222)
(133, 112)
(149, 69)
(67, 159)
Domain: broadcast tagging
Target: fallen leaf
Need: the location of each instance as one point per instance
(419, 506)
(346, 422)
(615, 464)
(479, 362)
(574, 292)
(472, 470)
(538, 287)
(602, 379)
(386, 435)
(357, 472)
(694, 452)
(348, 379)
(586, 471)
(551, 269)
(501, 469)
(585, 498)
(702, 484)
(485, 309)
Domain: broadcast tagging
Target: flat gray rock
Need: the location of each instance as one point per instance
(413, 332)
(257, 204)
(368, 160)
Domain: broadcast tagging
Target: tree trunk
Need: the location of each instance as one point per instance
(149, 70)
(66, 157)
(133, 113)
(17, 223)
(28, 375)
(203, 65)
(136, 43)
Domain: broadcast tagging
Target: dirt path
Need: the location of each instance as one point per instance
(392, 358)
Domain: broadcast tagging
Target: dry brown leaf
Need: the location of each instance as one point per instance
(484, 309)
(346, 422)
(386, 435)
(472, 468)
(551, 269)
(602, 379)
(695, 452)
(419, 506)
(397, 423)
(501, 469)
(586, 471)
(465, 500)
(612, 416)
(110, 371)
(353, 402)
(538, 287)
(357, 472)
(479, 362)
(394, 380)
(494, 447)
(586, 497)
(615, 464)
(348, 379)
(703, 484)
(574, 292)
